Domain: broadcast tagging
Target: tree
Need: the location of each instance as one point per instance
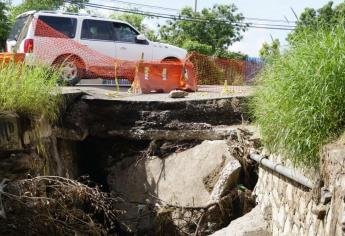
(206, 31)
(137, 21)
(4, 25)
(326, 17)
(267, 51)
(27, 5)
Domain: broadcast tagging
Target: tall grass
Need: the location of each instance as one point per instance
(300, 101)
(28, 90)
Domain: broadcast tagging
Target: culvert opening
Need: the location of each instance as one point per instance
(146, 175)
(97, 155)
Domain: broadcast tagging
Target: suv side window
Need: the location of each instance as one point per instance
(97, 29)
(65, 25)
(124, 33)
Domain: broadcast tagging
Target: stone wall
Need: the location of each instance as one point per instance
(297, 210)
(30, 148)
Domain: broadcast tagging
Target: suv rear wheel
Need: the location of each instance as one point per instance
(71, 70)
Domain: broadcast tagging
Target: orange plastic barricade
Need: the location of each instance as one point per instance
(160, 77)
(189, 78)
(5, 58)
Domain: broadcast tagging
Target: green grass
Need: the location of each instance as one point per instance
(31, 91)
(300, 101)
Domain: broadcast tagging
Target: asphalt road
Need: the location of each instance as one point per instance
(94, 89)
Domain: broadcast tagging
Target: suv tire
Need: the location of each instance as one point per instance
(72, 70)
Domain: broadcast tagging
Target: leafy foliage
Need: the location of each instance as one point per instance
(326, 17)
(194, 46)
(267, 51)
(28, 5)
(4, 25)
(212, 29)
(229, 55)
(300, 102)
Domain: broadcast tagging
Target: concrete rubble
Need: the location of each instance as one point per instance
(253, 223)
(178, 94)
(197, 178)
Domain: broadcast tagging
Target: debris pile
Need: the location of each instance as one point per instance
(52, 205)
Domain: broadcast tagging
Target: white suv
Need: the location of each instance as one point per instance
(111, 38)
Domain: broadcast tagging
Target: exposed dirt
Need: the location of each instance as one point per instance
(211, 179)
(100, 117)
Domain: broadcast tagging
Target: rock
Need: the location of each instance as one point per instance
(320, 211)
(185, 179)
(343, 222)
(227, 179)
(177, 94)
(10, 138)
(171, 177)
(251, 224)
(19, 165)
(326, 196)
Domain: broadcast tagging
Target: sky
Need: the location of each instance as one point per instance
(253, 38)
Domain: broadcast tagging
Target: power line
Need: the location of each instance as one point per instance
(182, 18)
(177, 10)
(145, 5)
(270, 20)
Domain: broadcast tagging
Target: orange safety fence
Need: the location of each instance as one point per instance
(6, 58)
(54, 48)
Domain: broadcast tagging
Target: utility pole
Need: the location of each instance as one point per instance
(195, 5)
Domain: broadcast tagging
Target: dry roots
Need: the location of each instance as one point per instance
(52, 205)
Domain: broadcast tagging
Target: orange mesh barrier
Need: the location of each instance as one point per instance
(215, 71)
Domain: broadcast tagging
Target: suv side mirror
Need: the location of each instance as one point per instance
(141, 38)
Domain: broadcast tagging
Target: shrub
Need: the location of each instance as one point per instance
(300, 101)
(32, 91)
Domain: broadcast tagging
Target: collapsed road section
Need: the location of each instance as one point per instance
(170, 166)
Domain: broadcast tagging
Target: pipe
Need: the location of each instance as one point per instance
(279, 168)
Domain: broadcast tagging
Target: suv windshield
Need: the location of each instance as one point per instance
(64, 25)
(17, 28)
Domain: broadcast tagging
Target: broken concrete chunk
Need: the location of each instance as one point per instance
(178, 179)
(228, 178)
(178, 94)
(326, 196)
(251, 224)
(320, 211)
(343, 222)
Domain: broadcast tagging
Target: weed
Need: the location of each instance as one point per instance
(29, 90)
(300, 101)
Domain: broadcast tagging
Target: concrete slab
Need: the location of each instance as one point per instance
(254, 223)
(184, 179)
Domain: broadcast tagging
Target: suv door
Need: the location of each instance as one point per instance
(127, 45)
(52, 37)
(98, 35)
